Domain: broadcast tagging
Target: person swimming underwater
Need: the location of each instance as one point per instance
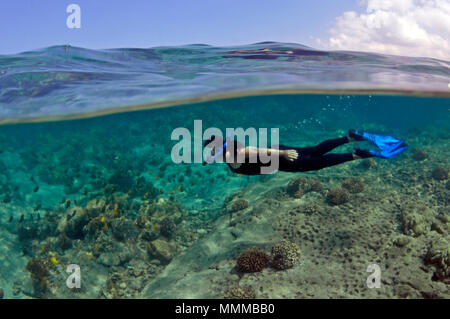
(302, 159)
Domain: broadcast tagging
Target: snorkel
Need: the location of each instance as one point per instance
(212, 158)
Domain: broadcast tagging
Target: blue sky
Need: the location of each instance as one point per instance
(34, 24)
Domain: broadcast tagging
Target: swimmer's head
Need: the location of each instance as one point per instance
(217, 144)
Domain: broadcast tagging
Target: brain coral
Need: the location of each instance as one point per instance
(338, 196)
(419, 154)
(300, 185)
(353, 185)
(295, 187)
(416, 218)
(252, 260)
(239, 205)
(440, 173)
(285, 255)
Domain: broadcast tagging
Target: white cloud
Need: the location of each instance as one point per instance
(403, 27)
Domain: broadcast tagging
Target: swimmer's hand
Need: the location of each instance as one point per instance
(290, 155)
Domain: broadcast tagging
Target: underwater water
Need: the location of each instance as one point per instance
(87, 178)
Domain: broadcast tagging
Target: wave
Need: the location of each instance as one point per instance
(65, 82)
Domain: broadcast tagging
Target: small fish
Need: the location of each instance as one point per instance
(38, 216)
(54, 260)
(36, 188)
(31, 216)
(21, 219)
(10, 219)
(38, 206)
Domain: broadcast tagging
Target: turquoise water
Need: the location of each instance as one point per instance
(103, 192)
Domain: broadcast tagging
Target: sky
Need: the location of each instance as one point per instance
(405, 27)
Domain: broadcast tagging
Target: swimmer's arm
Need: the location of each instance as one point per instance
(290, 155)
(251, 150)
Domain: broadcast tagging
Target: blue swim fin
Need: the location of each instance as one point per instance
(389, 146)
(390, 151)
(379, 141)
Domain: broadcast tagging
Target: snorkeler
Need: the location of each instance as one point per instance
(303, 159)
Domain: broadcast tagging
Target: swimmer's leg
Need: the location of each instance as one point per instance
(325, 147)
(327, 160)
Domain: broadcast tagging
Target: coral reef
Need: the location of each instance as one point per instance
(439, 173)
(252, 260)
(123, 229)
(438, 256)
(353, 185)
(105, 233)
(73, 222)
(416, 219)
(95, 226)
(139, 226)
(419, 154)
(168, 228)
(338, 196)
(295, 187)
(238, 205)
(402, 240)
(162, 250)
(161, 208)
(145, 188)
(64, 242)
(39, 274)
(284, 255)
(315, 186)
(32, 229)
(300, 185)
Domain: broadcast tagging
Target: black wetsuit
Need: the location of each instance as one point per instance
(309, 158)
